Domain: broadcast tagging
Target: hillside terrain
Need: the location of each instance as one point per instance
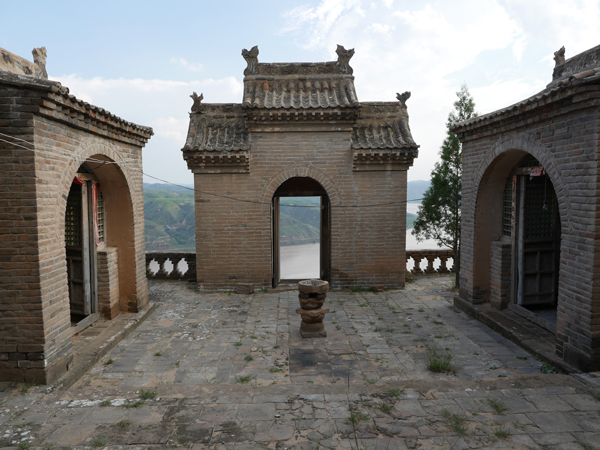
(170, 219)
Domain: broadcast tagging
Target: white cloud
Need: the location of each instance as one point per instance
(161, 104)
(171, 128)
(379, 28)
(187, 65)
(416, 47)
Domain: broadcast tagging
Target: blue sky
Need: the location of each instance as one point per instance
(142, 59)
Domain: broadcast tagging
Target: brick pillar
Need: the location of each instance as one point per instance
(108, 282)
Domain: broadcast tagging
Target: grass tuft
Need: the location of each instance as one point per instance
(147, 394)
(438, 362)
(136, 404)
(497, 406)
(455, 422)
(244, 379)
(125, 423)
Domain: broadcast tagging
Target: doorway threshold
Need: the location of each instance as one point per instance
(544, 320)
(85, 322)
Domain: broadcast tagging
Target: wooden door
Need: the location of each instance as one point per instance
(275, 242)
(81, 250)
(539, 236)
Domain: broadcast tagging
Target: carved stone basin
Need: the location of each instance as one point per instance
(312, 296)
(313, 287)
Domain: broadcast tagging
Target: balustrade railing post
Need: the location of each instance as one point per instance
(417, 266)
(162, 273)
(149, 273)
(443, 268)
(430, 261)
(176, 273)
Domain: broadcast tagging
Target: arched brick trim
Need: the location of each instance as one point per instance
(73, 164)
(538, 151)
(297, 170)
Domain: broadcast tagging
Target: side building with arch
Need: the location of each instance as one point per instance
(531, 212)
(300, 131)
(71, 220)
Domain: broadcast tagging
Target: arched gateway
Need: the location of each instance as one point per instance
(300, 129)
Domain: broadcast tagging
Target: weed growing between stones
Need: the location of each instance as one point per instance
(25, 387)
(275, 370)
(370, 380)
(125, 423)
(395, 392)
(356, 417)
(158, 353)
(546, 368)
(109, 362)
(455, 422)
(501, 433)
(497, 406)
(244, 379)
(595, 394)
(248, 358)
(105, 403)
(98, 442)
(23, 445)
(147, 394)
(438, 362)
(136, 404)
(385, 407)
(586, 446)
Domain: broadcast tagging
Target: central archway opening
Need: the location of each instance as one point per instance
(301, 231)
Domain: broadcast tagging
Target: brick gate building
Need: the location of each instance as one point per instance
(71, 219)
(531, 216)
(300, 131)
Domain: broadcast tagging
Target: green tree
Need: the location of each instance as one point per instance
(438, 216)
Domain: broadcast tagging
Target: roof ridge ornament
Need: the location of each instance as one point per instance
(39, 58)
(559, 56)
(197, 106)
(344, 57)
(403, 97)
(251, 58)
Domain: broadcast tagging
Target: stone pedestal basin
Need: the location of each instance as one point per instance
(312, 296)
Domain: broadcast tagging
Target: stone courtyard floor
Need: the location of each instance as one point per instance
(224, 371)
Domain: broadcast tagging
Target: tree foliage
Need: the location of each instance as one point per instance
(439, 214)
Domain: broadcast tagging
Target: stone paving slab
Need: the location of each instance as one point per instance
(184, 379)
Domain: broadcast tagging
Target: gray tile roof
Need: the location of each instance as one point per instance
(218, 127)
(382, 125)
(303, 93)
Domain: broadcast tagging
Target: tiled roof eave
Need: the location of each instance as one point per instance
(565, 87)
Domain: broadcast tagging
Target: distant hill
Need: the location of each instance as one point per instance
(416, 189)
(170, 218)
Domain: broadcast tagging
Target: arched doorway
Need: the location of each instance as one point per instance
(302, 187)
(536, 240)
(99, 230)
(516, 252)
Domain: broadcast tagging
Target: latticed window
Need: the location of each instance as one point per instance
(507, 207)
(73, 218)
(101, 216)
(530, 161)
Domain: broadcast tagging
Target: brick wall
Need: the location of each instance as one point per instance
(500, 267)
(561, 132)
(108, 282)
(35, 328)
(234, 238)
